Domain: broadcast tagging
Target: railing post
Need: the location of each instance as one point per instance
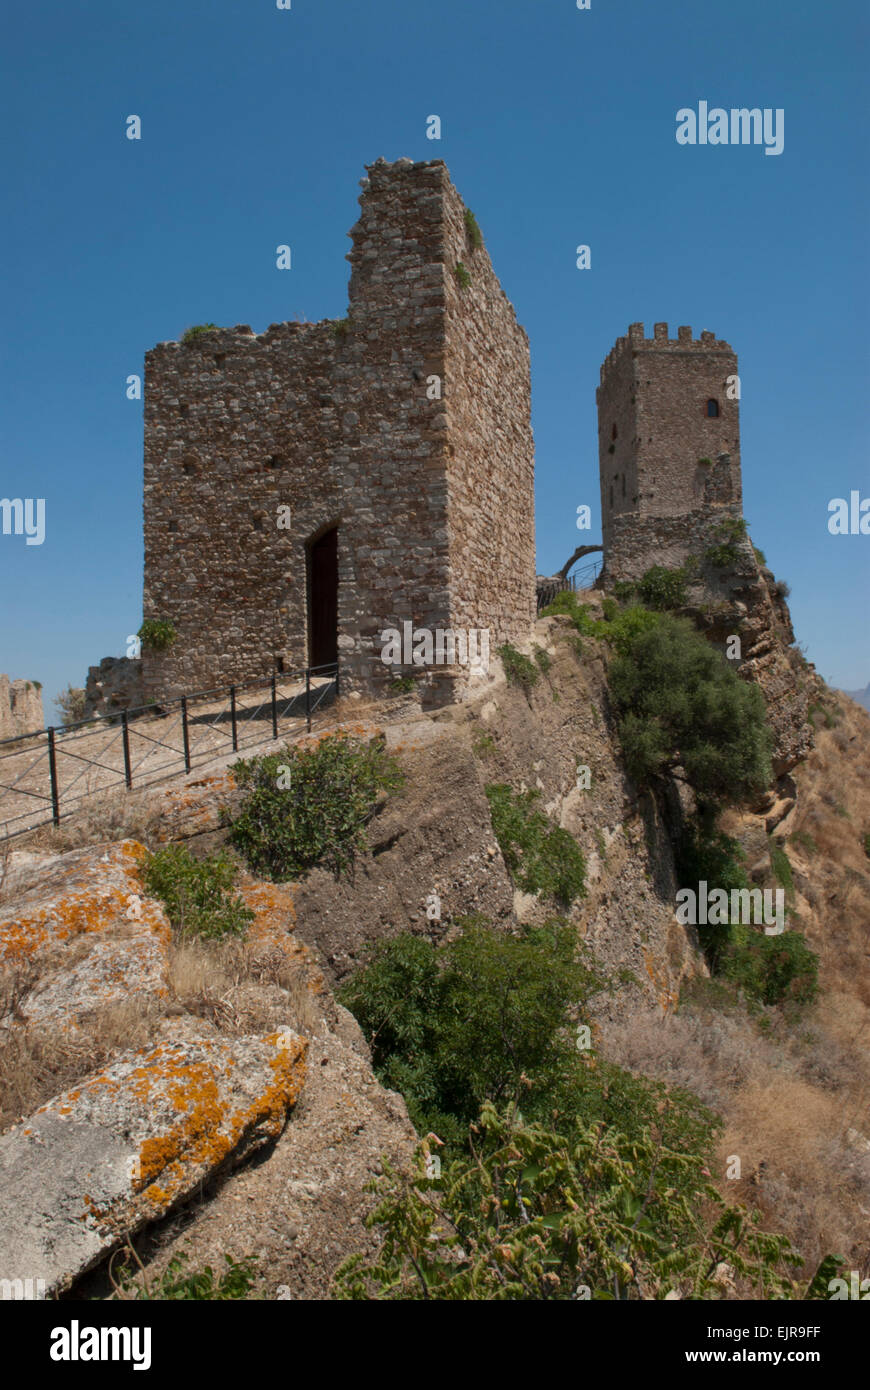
(233, 717)
(308, 697)
(184, 733)
(274, 709)
(125, 739)
(52, 772)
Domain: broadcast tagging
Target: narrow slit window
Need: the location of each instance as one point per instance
(712, 409)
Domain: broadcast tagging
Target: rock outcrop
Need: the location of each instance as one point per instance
(99, 1161)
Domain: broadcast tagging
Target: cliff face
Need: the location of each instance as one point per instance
(20, 708)
(301, 1208)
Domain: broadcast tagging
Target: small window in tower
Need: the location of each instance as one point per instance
(173, 525)
(712, 409)
(257, 522)
(614, 433)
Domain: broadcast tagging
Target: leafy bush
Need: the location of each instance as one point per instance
(539, 1214)
(518, 669)
(704, 854)
(771, 969)
(541, 858)
(320, 818)
(196, 892)
(729, 532)
(174, 1283)
(454, 1026)
(71, 705)
(663, 588)
(157, 634)
(679, 702)
(543, 659)
(197, 331)
(475, 237)
(462, 275)
(760, 555)
(567, 603)
(401, 685)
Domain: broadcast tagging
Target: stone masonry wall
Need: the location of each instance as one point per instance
(333, 421)
(20, 708)
(490, 450)
(655, 392)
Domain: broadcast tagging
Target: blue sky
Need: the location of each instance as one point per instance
(558, 129)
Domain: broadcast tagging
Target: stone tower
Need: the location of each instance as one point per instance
(397, 442)
(668, 446)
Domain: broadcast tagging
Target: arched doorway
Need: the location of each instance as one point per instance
(323, 599)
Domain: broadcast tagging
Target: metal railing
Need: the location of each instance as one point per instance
(581, 578)
(50, 771)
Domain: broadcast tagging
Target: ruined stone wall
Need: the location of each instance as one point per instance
(655, 392)
(236, 425)
(333, 421)
(20, 708)
(490, 465)
(114, 685)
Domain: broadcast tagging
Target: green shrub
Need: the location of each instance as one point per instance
(197, 331)
(679, 702)
(771, 969)
(705, 462)
(538, 1213)
(760, 555)
(779, 862)
(662, 588)
(454, 1026)
(624, 590)
(729, 533)
(704, 854)
(196, 892)
(541, 858)
(462, 275)
(341, 327)
(157, 634)
(543, 659)
(567, 603)
(174, 1283)
(321, 817)
(475, 237)
(518, 669)
(401, 685)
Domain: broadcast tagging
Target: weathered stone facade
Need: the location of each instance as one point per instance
(661, 455)
(20, 708)
(418, 496)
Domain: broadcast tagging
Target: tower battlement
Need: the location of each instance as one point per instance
(668, 442)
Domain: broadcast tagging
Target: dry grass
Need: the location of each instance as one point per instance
(116, 815)
(37, 1063)
(242, 987)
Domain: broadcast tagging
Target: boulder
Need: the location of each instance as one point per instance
(132, 1141)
